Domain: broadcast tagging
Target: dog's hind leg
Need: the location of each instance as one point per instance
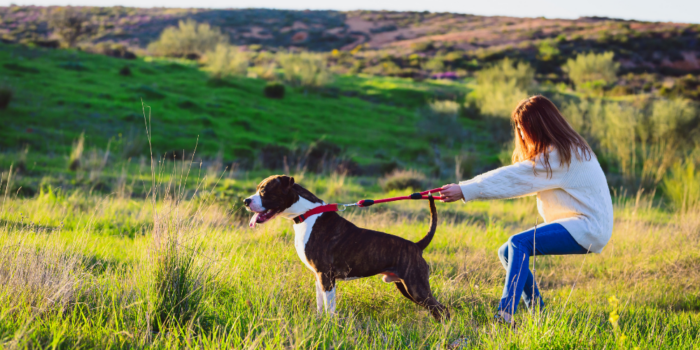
(419, 288)
(404, 292)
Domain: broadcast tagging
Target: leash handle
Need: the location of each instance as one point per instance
(418, 195)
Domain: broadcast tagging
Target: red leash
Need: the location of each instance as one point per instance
(364, 203)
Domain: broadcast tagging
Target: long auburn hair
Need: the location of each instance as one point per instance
(544, 128)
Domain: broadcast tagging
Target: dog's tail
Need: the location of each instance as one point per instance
(423, 243)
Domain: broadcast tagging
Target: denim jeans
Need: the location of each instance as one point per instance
(552, 239)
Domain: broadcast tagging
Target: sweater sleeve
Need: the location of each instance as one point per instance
(516, 180)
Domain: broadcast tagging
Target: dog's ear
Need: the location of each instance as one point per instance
(287, 182)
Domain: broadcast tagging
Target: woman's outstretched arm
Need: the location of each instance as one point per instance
(510, 181)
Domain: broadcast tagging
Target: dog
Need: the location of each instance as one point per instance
(335, 249)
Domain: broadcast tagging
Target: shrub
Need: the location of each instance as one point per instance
(6, 94)
(76, 153)
(274, 90)
(227, 60)
(305, 69)
(682, 186)
(70, 25)
(188, 38)
(434, 65)
(402, 179)
(501, 86)
(125, 71)
(446, 107)
(590, 70)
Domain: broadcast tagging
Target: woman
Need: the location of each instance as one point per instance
(554, 162)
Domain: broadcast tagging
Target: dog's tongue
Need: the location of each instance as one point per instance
(253, 220)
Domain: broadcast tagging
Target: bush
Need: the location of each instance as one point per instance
(589, 70)
(501, 86)
(227, 60)
(305, 69)
(402, 179)
(682, 186)
(187, 39)
(435, 65)
(5, 96)
(70, 25)
(76, 153)
(446, 107)
(274, 90)
(640, 139)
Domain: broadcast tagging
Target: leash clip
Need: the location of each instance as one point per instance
(345, 206)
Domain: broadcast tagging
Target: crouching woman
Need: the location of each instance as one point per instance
(554, 162)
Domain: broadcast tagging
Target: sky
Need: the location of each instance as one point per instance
(686, 11)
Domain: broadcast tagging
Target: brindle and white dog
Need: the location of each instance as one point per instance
(335, 249)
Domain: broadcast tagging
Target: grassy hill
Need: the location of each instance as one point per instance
(60, 94)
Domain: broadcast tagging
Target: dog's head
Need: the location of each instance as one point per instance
(277, 195)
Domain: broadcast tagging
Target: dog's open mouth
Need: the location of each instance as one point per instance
(262, 217)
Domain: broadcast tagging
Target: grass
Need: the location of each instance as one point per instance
(120, 253)
(54, 104)
(78, 272)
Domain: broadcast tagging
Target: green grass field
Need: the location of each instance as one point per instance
(82, 271)
(59, 94)
(129, 250)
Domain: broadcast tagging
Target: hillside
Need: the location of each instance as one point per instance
(59, 94)
(460, 41)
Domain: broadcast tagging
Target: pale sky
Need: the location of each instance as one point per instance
(687, 11)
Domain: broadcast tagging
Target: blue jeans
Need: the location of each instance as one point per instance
(552, 239)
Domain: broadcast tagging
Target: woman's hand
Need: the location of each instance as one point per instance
(452, 193)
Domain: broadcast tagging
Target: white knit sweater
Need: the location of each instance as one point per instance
(577, 196)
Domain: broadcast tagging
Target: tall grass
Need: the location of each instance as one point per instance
(639, 140)
(263, 296)
(682, 186)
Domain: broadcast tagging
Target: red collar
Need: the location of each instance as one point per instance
(318, 210)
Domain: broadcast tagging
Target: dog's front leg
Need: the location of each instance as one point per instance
(319, 296)
(327, 290)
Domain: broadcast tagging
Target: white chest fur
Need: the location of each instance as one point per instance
(302, 232)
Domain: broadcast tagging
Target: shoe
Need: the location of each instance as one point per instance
(460, 343)
(500, 320)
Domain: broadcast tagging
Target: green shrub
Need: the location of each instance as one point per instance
(640, 139)
(227, 60)
(274, 90)
(682, 186)
(70, 24)
(402, 179)
(434, 65)
(305, 69)
(6, 94)
(588, 71)
(125, 71)
(188, 38)
(501, 86)
(76, 153)
(446, 107)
